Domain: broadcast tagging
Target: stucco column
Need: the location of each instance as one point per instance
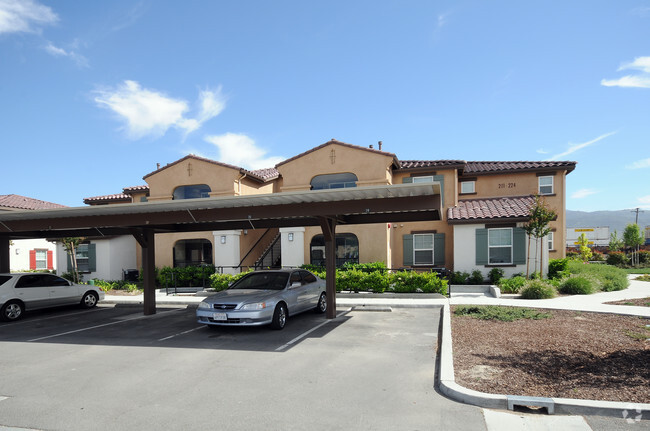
(292, 241)
(227, 250)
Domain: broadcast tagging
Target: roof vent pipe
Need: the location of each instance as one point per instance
(157, 166)
(380, 144)
(370, 146)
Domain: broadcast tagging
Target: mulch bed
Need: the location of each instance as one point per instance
(570, 355)
(641, 302)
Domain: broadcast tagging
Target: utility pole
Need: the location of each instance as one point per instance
(636, 221)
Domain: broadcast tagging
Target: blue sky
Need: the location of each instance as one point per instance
(94, 94)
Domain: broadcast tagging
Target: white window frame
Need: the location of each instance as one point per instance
(43, 262)
(550, 238)
(540, 185)
(423, 179)
(466, 184)
(510, 246)
(415, 263)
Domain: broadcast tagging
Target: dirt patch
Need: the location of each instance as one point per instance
(640, 302)
(123, 293)
(569, 355)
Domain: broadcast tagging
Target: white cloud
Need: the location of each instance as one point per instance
(583, 193)
(241, 150)
(641, 80)
(639, 164)
(56, 51)
(644, 201)
(575, 147)
(26, 16)
(542, 151)
(151, 113)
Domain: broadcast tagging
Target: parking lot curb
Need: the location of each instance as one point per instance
(449, 387)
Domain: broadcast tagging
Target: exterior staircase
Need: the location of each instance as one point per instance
(272, 256)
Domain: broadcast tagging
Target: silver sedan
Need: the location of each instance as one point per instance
(263, 298)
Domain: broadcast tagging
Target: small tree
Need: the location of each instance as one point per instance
(583, 245)
(540, 216)
(633, 238)
(615, 243)
(70, 245)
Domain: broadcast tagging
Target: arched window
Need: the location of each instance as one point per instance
(347, 249)
(334, 181)
(192, 192)
(192, 252)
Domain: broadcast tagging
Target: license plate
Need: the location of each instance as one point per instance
(220, 316)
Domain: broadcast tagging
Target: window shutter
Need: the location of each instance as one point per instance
(92, 257)
(439, 249)
(441, 180)
(408, 250)
(481, 246)
(518, 246)
(69, 261)
(407, 180)
(50, 260)
(32, 259)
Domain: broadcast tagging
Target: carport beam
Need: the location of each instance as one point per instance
(328, 225)
(148, 269)
(5, 266)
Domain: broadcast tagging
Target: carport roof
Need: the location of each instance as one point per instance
(373, 204)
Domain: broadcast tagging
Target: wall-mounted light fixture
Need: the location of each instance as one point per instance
(290, 236)
(223, 239)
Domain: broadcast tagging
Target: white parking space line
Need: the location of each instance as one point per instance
(3, 398)
(304, 334)
(92, 310)
(182, 333)
(99, 326)
(506, 421)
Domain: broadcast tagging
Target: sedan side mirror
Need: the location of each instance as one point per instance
(295, 284)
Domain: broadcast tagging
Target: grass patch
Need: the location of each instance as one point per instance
(606, 277)
(644, 277)
(496, 312)
(636, 270)
(642, 335)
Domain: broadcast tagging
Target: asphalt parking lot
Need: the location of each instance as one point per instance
(113, 368)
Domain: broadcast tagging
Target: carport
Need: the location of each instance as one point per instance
(324, 208)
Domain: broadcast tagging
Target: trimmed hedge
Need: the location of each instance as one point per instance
(577, 285)
(538, 289)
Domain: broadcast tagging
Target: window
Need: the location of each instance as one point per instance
(546, 185)
(347, 249)
(500, 246)
(83, 264)
(41, 259)
(334, 181)
(192, 252)
(467, 187)
(427, 179)
(550, 241)
(194, 191)
(423, 249)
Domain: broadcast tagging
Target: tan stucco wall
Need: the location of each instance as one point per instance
(370, 168)
(373, 241)
(398, 230)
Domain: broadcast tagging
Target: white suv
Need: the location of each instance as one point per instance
(31, 291)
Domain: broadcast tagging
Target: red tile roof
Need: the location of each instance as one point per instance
(334, 141)
(487, 167)
(129, 190)
(118, 197)
(266, 174)
(412, 164)
(505, 208)
(25, 203)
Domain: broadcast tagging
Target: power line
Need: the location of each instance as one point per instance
(637, 210)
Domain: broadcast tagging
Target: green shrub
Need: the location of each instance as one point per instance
(497, 312)
(349, 280)
(366, 267)
(458, 277)
(495, 275)
(219, 281)
(644, 256)
(107, 285)
(617, 258)
(476, 277)
(511, 285)
(606, 277)
(374, 281)
(537, 289)
(557, 268)
(644, 277)
(577, 285)
(597, 256)
(412, 282)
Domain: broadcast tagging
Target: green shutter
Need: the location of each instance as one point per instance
(92, 258)
(406, 180)
(441, 180)
(481, 246)
(518, 246)
(407, 250)
(69, 260)
(439, 249)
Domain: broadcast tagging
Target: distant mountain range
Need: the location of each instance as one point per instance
(615, 220)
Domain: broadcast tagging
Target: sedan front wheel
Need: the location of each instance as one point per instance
(279, 317)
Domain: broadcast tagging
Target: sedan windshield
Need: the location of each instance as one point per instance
(263, 280)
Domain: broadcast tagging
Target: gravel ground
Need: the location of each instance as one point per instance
(570, 355)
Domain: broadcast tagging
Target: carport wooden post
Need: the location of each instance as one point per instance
(5, 266)
(145, 238)
(328, 225)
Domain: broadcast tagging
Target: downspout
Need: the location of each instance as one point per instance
(239, 183)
